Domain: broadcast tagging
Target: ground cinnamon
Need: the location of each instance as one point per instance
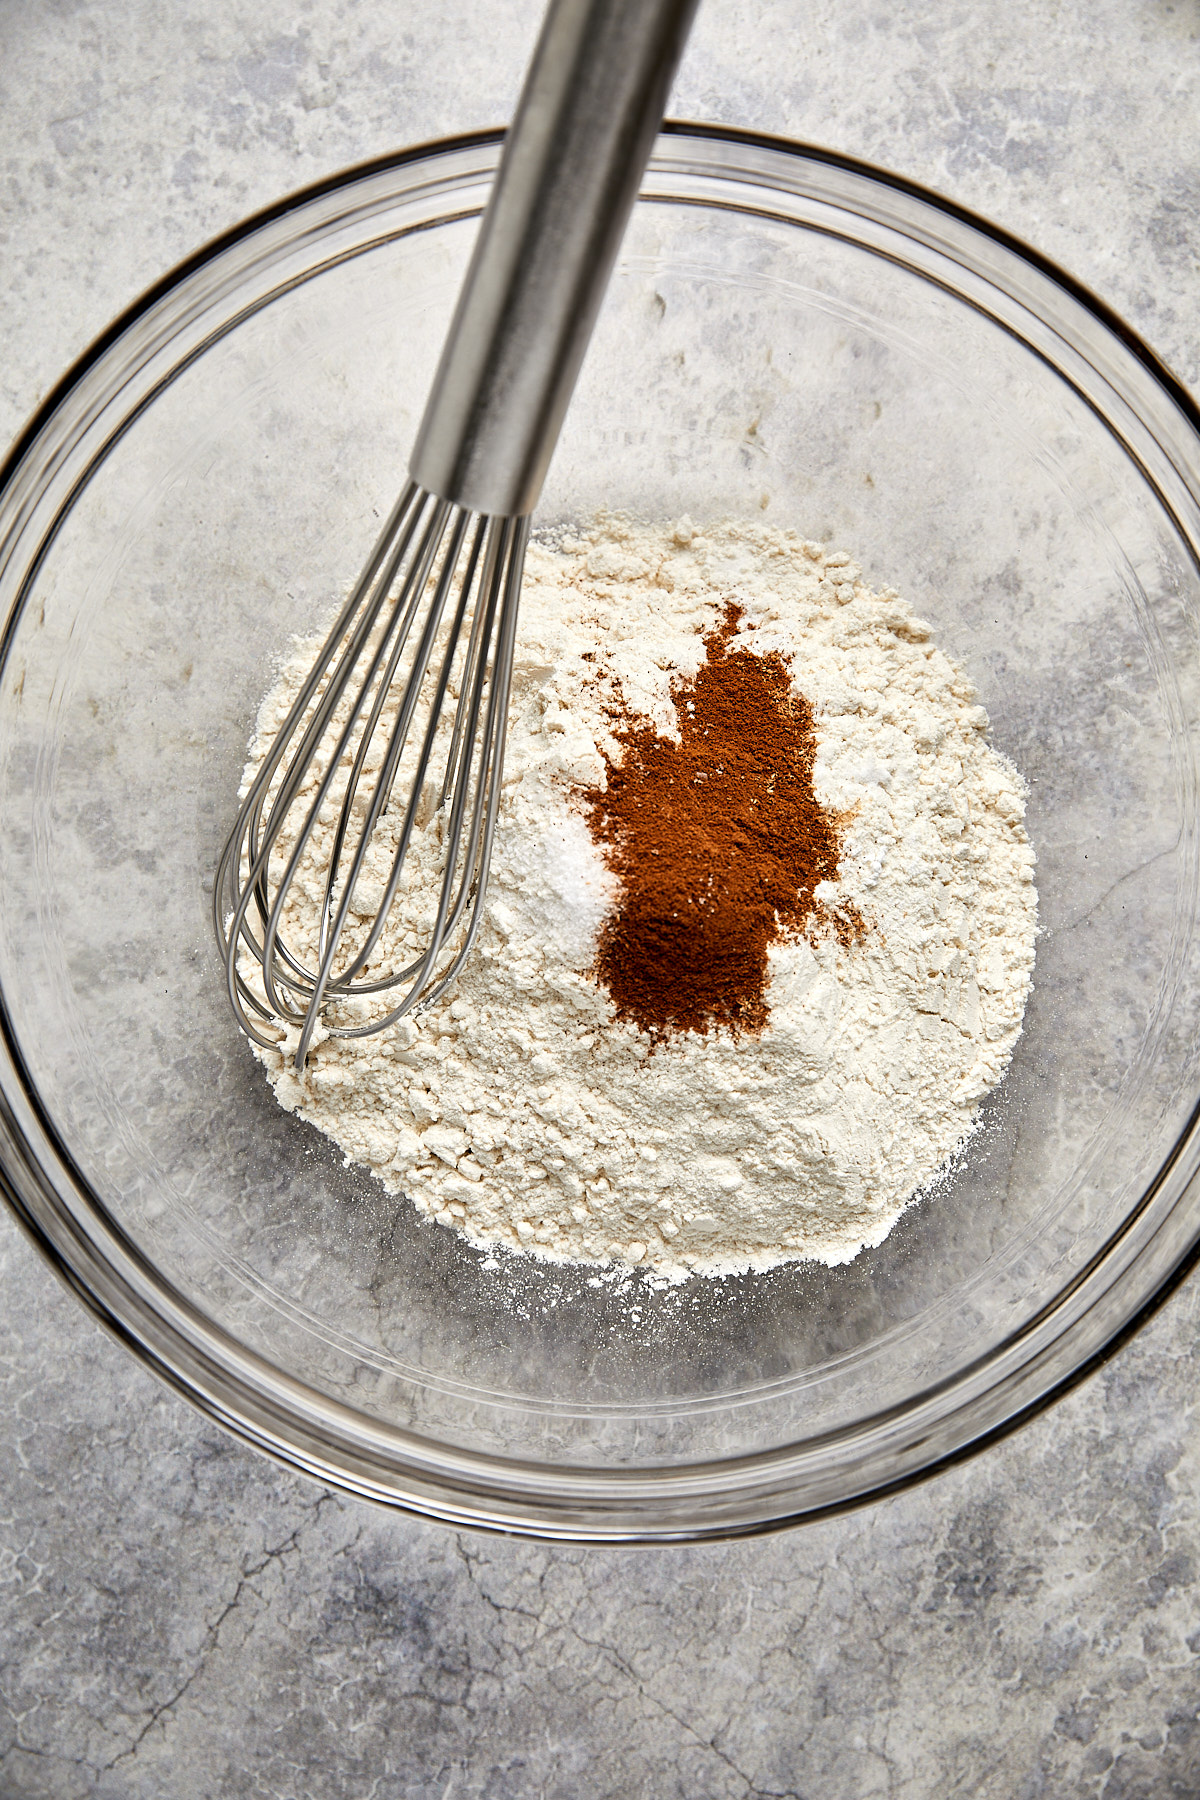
(718, 842)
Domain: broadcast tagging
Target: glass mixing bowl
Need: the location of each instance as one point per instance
(789, 336)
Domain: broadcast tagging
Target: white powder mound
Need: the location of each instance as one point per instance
(520, 1111)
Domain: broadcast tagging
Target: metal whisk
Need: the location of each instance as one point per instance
(411, 686)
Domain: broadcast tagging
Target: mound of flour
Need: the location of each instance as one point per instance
(520, 1111)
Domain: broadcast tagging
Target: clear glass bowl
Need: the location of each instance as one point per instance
(789, 336)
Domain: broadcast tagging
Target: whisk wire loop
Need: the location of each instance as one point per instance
(400, 623)
(431, 619)
(504, 559)
(248, 836)
(479, 854)
(418, 792)
(381, 682)
(418, 788)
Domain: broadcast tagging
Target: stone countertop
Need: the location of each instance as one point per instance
(184, 1621)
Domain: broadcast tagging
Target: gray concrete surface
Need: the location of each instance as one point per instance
(182, 1621)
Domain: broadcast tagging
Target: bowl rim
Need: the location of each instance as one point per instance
(261, 1405)
(494, 135)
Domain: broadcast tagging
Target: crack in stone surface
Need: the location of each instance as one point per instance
(213, 1630)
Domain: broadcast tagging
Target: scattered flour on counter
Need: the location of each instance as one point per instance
(520, 1110)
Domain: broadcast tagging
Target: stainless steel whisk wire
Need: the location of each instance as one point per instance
(294, 989)
(438, 597)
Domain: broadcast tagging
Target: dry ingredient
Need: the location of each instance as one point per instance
(717, 840)
(759, 931)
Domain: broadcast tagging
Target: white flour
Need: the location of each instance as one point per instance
(520, 1111)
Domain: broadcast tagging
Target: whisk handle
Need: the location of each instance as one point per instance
(591, 105)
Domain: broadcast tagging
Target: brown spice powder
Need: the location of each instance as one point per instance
(718, 842)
